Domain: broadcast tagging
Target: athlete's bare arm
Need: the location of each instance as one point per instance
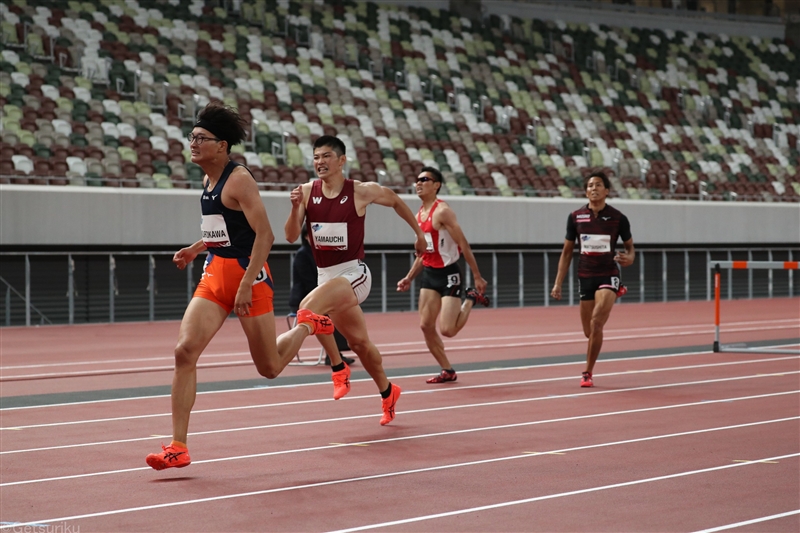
(405, 283)
(241, 193)
(563, 266)
(294, 224)
(444, 217)
(372, 193)
(184, 256)
(626, 258)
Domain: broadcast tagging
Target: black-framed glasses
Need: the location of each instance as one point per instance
(200, 138)
(423, 179)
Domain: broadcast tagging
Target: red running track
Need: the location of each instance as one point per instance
(674, 437)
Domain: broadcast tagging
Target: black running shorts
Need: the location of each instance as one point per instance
(589, 286)
(446, 281)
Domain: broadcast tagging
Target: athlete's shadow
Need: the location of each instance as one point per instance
(173, 479)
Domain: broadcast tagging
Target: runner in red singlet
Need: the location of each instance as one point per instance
(334, 210)
(440, 294)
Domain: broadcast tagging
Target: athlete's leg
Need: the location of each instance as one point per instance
(587, 309)
(351, 323)
(336, 293)
(430, 303)
(200, 323)
(260, 332)
(454, 315)
(603, 303)
(328, 343)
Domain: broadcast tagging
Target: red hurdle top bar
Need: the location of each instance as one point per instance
(744, 265)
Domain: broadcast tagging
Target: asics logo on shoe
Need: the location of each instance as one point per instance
(172, 456)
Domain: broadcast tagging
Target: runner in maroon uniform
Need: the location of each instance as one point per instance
(440, 294)
(237, 234)
(597, 227)
(334, 210)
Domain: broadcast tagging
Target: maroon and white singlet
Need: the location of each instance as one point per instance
(336, 230)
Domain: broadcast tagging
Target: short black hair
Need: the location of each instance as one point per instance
(437, 176)
(598, 174)
(435, 171)
(332, 142)
(224, 122)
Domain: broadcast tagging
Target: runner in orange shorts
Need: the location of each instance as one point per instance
(221, 279)
(238, 237)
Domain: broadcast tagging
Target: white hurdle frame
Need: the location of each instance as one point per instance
(717, 266)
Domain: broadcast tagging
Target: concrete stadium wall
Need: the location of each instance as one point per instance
(86, 216)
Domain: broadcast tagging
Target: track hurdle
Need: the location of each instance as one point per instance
(743, 265)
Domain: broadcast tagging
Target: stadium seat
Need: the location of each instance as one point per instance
(467, 102)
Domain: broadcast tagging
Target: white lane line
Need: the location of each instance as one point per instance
(414, 411)
(469, 341)
(267, 386)
(409, 412)
(546, 497)
(493, 345)
(748, 522)
(410, 437)
(405, 393)
(449, 467)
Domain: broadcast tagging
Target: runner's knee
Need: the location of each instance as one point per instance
(448, 331)
(596, 326)
(359, 345)
(427, 326)
(267, 371)
(184, 356)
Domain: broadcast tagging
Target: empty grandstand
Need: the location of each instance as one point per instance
(104, 93)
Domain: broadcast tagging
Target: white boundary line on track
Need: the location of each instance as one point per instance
(493, 345)
(452, 466)
(406, 393)
(466, 340)
(549, 496)
(749, 522)
(294, 385)
(396, 439)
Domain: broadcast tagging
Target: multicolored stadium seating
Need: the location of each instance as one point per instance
(104, 94)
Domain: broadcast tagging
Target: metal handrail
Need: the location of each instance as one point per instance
(494, 262)
(10, 289)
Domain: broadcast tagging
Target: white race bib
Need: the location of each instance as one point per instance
(429, 240)
(595, 244)
(329, 235)
(215, 232)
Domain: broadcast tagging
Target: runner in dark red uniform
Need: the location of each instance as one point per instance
(334, 209)
(237, 234)
(440, 294)
(596, 227)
